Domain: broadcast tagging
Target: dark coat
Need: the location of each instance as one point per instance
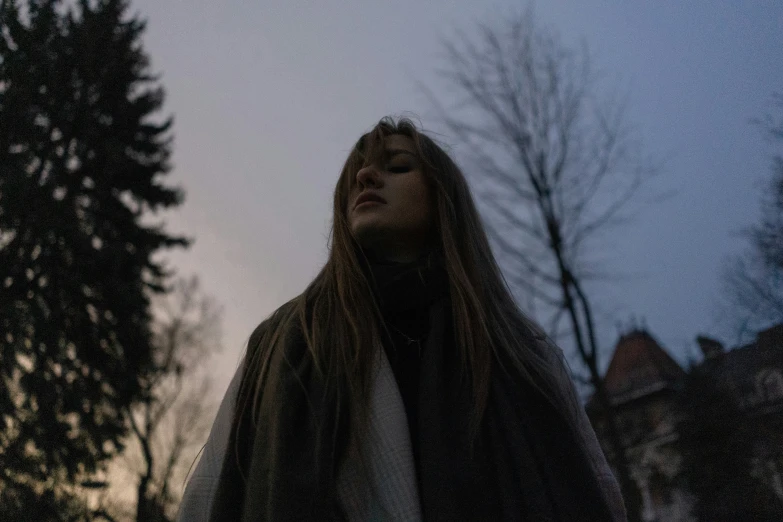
(393, 466)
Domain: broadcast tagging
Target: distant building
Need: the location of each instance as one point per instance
(644, 382)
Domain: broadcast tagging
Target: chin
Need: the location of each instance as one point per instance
(368, 234)
(367, 226)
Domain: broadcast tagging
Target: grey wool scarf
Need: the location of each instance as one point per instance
(294, 463)
(389, 494)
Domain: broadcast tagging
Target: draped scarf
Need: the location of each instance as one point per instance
(298, 462)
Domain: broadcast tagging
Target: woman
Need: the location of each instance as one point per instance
(404, 383)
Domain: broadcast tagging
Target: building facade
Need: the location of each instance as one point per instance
(645, 384)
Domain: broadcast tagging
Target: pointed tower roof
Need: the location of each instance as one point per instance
(639, 367)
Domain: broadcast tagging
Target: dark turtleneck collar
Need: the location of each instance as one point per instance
(402, 287)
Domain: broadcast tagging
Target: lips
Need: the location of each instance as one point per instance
(364, 197)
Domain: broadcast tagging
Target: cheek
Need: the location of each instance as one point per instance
(425, 205)
(420, 203)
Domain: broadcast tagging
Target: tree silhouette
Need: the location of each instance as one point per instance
(753, 281)
(555, 168)
(174, 419)
(81, 160)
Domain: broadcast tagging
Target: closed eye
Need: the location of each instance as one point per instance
(399, 169)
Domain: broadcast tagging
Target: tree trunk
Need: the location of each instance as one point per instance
(142, 512)
(631, 493)
(590, 358)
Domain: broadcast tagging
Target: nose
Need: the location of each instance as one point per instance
(369, 177)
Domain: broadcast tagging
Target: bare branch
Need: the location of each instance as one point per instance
(169, 425)
(531, 267)
(528, 116)
(517, 223)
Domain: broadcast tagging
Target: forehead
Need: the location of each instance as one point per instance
(399, 142)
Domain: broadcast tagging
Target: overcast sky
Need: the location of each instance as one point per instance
(269, 96)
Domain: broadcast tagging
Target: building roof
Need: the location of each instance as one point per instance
(740, 366)
(639, 367)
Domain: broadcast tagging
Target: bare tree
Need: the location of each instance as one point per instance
(753, 281)
(170, 424)
(555, 168)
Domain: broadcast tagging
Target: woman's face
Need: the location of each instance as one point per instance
(388, 207)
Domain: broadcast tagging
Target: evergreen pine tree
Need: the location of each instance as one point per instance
(82, 154)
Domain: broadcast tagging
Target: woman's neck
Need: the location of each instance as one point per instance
(408, 285)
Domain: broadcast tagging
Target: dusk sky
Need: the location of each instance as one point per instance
(269, 96)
